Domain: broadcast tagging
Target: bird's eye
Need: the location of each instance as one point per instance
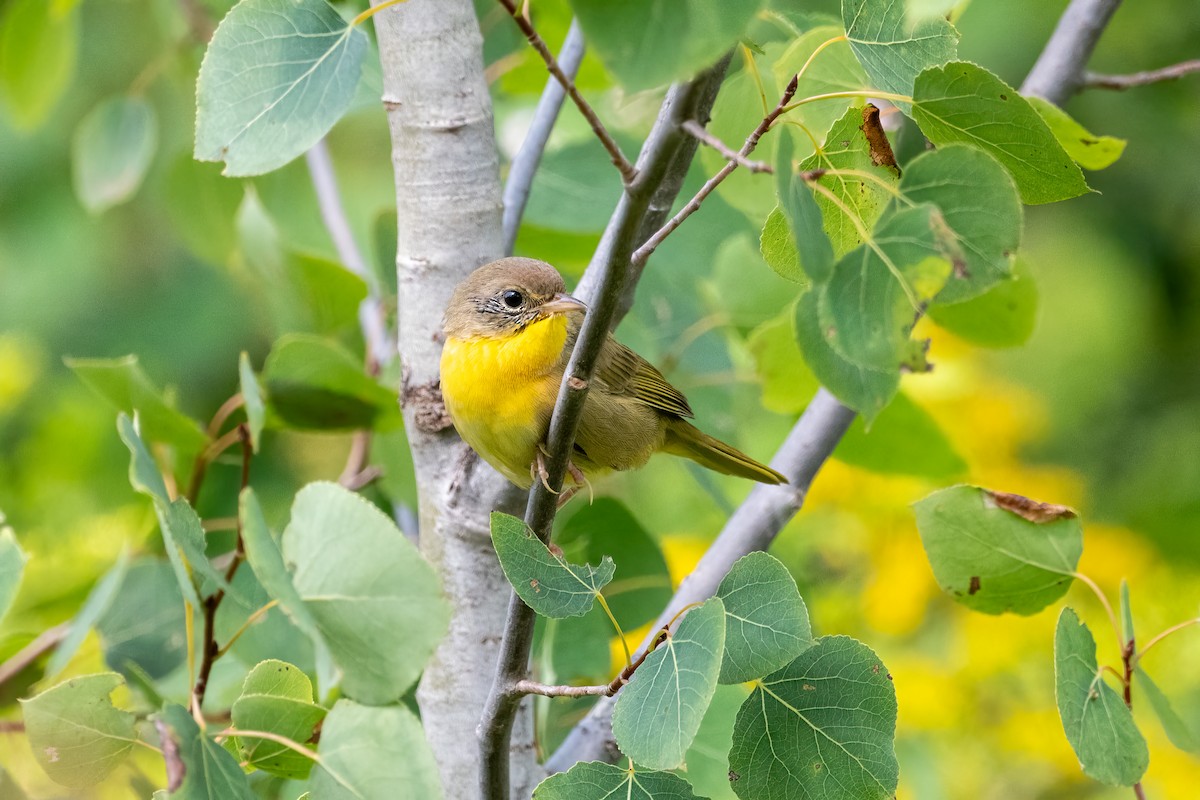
(512, 299)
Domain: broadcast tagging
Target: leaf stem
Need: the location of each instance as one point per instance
(250, 620)
(624, 643)
(291, 744)
(895, 98)
(373, 10)
(1108, 609)
(1156, 639)
(820, 47)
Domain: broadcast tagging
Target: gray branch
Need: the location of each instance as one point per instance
(1096, 80)
(524, 166)
(1058, 73)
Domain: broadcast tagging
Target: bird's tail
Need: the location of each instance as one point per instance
(685, 439)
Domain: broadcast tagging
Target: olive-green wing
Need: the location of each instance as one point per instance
(626, 373)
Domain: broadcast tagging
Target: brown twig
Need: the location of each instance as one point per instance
(46, 641)
(1096, 80)
(627, 170)
(524, 687)
(701, 133)
(646, 250)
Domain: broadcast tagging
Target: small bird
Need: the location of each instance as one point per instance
(510, 328)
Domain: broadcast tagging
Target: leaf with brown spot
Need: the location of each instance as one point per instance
(1031, 510)
(877, 141)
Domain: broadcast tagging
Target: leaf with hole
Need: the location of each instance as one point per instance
(891, 47)
(367, 752)
(823, 726)
(766, 621)
(78, 736)
(276, 77)
(988, 553)
(1097, 722)
(277, 698)
(548, 583)
(594, 780)
(658, 713)
(964, 103)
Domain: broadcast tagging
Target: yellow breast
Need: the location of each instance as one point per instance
(500, 392)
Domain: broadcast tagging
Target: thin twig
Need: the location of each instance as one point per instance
(1156, 639)
(752, 527)
(46, 641)
(1096, 80)
(291, 744)
(525, 164)
(627, 170)
(223, 413)
(1108, 609)
(702, 134)
(644, 252)
(544, 690)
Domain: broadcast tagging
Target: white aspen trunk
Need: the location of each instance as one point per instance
(449, 210)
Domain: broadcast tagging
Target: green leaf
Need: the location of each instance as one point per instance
(962, 102)
(708, 757)
(863, 389)
(315, 384)
(202, 207)
(891, 49)
(1097, 722)
(835, 69)
(574, 189)
(265, 558)
(277, 698)
(209, 770)
(814, 253)
(252, 400)
(12, 565)
(1127, 632)
(578, 648)
(658, 713)
(143, 470)
(546, 582)
(766, 621)
(996, 552)
(327, 294)
(847, 148)
(648, 43)
(642, 586)
(39, 42)
(787, 382)
(979, 202)
(1003, 316)
(377, 603)
(595, 780)
(778, 247)
(142, 627)
(823, 726)
(122, 383)
(77, 735)
(1178, 731)
(368, 753)
(99, 600)
(111, 151)
(869, 307)
(276, 77)
(903, 440)
(9, 788)
(1086, 149)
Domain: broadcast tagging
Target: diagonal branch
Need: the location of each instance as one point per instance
(1096, 80)
(701, 133)
(627, 170)
(1058, 72)
(611, 265)
(525, 164)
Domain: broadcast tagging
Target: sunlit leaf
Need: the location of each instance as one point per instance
(903, 440)
(77, 735)
(812, 248)
(963, 102)
(823, 726)
(648, 43)
(891, 48)
(12, 565)
(277, 698)
(276, 77)
(996, 552)
(766, 621)
(1003, 316)
(778, 248)
(368, 752)
(209, 770)
(595, 780)
(9, 788)
(39, 43)
(658, 713)
(1088, 150)
(708, 758)
(112, 149)
(376, 602)
(1097, 722)
(548, 583)
(787, 382)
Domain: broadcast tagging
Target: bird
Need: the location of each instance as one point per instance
(509, 330)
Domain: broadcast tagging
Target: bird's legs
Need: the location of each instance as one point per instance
(538, 469)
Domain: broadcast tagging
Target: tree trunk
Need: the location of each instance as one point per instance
(448, 208)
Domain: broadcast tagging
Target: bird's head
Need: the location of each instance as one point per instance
(501, 298)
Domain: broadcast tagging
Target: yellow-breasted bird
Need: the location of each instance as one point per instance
(510, 328)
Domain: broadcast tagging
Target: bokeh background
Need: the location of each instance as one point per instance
(1099, 409)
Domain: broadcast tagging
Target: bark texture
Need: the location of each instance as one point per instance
(449, 211)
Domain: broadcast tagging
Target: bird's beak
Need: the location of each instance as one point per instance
(562, 304)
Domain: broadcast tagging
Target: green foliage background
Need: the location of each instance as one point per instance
(1099, 408)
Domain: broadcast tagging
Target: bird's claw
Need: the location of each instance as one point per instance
(538, 469)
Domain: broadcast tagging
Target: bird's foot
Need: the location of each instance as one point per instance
(538, 469)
